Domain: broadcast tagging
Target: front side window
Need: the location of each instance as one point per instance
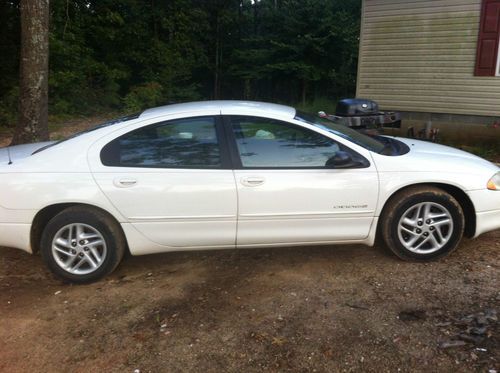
(181, 143)
(268, 143)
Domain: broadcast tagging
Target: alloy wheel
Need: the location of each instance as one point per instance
(79, 249)
(425, 228)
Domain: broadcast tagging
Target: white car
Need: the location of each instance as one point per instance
(226, 174)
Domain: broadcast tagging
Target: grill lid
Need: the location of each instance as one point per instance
(350, 107)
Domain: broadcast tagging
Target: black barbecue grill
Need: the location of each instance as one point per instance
(363, 115)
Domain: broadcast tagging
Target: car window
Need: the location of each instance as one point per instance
(268, 143)
(181, 143)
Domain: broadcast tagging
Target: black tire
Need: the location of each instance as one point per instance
(105, 225)
(401, 204)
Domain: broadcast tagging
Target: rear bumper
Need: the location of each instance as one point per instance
(15, 228)
(16, 236)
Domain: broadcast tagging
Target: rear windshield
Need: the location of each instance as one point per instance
(99, 126)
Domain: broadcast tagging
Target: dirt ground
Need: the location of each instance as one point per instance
(323, 309)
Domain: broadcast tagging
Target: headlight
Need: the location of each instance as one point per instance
(494, 182)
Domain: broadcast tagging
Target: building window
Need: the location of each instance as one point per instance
(487, 57)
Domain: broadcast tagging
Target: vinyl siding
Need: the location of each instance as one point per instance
(419, 56)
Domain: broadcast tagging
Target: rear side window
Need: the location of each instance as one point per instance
(182, 143)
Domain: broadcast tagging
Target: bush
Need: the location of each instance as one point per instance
(143, 96)
(325, 104)
(8, 108)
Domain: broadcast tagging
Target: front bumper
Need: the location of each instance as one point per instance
(487, 205)
(487, 221)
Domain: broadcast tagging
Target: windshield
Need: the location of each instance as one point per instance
(101, 125)
(367, 142)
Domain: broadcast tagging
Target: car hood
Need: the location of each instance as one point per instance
(17, 152)
(433, 149)
(427, 156)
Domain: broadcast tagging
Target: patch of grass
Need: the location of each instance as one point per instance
(5, 131)
(319, 104)
(57, 121)
(487, 151)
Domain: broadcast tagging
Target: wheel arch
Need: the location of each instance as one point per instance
(456, 192)
(43, 216)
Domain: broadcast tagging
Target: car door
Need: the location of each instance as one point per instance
(171, 180)
(286, 191)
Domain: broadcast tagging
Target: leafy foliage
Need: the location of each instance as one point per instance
(132, 54)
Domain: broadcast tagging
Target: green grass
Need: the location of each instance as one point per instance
(319, 104)
(489, 151)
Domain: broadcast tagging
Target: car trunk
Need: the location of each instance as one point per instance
(17, 152)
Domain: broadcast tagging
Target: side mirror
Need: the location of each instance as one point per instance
(341, 159)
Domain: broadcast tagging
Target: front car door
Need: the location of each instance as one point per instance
(171, 181)
(287, 194)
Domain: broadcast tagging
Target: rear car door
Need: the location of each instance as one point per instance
(172, 181)
(287, 194)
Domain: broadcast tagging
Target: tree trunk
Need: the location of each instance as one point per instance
(217, 59)
(32, 123)
(304, 91)
(247, 89)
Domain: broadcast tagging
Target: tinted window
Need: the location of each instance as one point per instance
(268, 143)
(183, 143)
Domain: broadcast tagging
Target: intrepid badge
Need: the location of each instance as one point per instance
(347, 207)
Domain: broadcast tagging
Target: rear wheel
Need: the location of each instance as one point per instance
(82, 245)
(422, 223)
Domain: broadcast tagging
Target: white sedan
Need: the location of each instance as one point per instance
(225, 174)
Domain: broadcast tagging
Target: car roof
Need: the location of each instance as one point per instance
(224, 107)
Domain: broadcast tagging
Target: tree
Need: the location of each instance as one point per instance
(32, 122)
(128, 55)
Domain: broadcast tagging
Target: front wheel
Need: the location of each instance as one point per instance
(422, 223)
(82, 245)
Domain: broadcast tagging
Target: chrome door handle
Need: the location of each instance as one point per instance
(125, 183)
(252, 181)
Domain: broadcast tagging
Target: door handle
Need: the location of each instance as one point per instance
(125, 183)
(252, 181)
